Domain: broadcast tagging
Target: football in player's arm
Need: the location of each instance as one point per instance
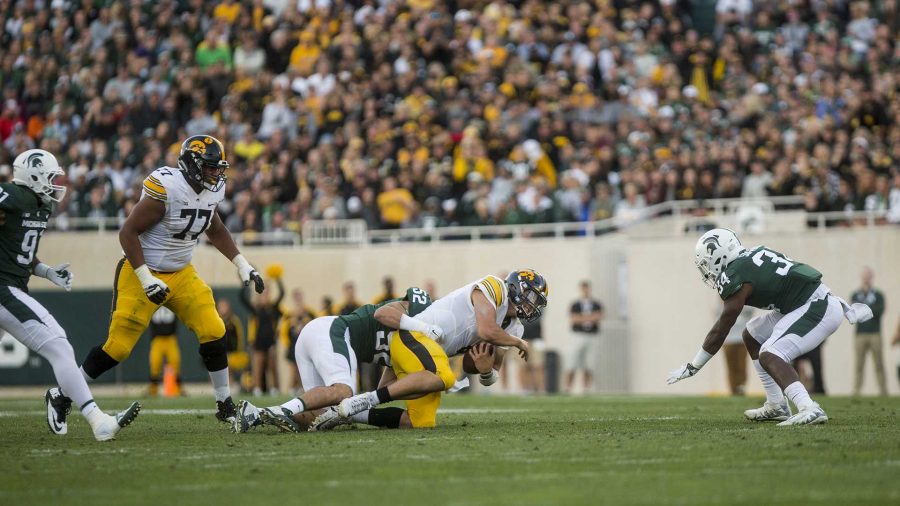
(328, 351)
(158, 238)
(803, 313)
(424, 374)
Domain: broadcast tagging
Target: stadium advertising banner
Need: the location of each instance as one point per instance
(85, 317)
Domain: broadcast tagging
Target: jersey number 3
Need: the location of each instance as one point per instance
(192, 214)
(775, 258)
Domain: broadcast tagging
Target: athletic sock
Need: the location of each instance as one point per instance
(797, 393)
(93, 414)
(294, 405)
(220, 384)
(361, 417)
(385, 417)
(383, 395)
(773, 392)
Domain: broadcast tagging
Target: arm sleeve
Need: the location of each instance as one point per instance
(154, 189)
(493, 289)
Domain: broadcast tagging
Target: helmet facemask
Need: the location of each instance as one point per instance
(530, 305)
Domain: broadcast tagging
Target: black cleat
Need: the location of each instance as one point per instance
(58, 407)
(227, 411)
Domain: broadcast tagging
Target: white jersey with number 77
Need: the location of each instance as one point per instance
(169, 244)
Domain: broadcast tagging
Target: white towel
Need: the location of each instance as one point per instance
(856, 312)
(459, 385)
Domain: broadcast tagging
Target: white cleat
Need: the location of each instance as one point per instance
(107, 429)
(247, 418)
(328, 420)
(770, 412)
(353, 405)
(809, 416)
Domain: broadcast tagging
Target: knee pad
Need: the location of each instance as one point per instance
(214, 354)
(98, 361)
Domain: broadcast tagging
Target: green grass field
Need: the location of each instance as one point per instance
(486, 451)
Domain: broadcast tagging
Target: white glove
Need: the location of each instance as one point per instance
(247, 273)
(155, 289)
(58, 275)
(685, 371)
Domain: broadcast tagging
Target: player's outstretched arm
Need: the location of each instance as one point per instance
(221, 238)
(59, 275)
(716, 336)
(146, 213)
(488, 330)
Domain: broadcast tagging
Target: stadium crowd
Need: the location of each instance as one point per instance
(426, 113)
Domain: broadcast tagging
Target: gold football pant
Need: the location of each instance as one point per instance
(413, 352)
(190, 299)
(164, 348)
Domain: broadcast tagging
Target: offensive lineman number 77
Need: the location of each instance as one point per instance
(192, 214)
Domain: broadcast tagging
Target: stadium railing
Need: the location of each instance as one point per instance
(355, 233)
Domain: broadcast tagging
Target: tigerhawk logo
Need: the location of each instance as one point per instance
(198, 146)
(711, 244)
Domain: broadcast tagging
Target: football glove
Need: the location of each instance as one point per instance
(59, 275)
(155, 289)
(247, 273)
(685, 371)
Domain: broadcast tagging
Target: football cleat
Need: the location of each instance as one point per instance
(58, 407)
(283, 420)
(328, 420)
(107, 429)
(247, 418)
(809, 416)
(226, 410)
(353, 405)
(769, 412)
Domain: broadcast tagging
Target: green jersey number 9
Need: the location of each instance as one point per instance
(29, 243)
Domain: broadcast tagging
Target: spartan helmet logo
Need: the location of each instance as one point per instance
(711, 243)
(35, 161)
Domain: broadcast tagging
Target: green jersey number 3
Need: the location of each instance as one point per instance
(775, 258)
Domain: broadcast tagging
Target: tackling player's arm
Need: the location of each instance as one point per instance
(394, 315)
(146, 213)
(220, 237)
(488, 330)
(58, 275)
(716, 336)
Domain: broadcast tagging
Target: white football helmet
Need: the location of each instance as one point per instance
(714, 251)
(36, 169)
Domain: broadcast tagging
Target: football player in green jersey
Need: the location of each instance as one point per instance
(803, 313)
(25, 207)
(328, 352)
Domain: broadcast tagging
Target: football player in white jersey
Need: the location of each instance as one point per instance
(488, 310)
(158, 239)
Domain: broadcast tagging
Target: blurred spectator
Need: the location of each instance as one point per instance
(736, 353)
(349, 303)
(265, 313)
(292, 322)
(238, 359)
(584, 315)
(868, 333)
(682, 100)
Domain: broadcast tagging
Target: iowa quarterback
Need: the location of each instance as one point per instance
(158, 238)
